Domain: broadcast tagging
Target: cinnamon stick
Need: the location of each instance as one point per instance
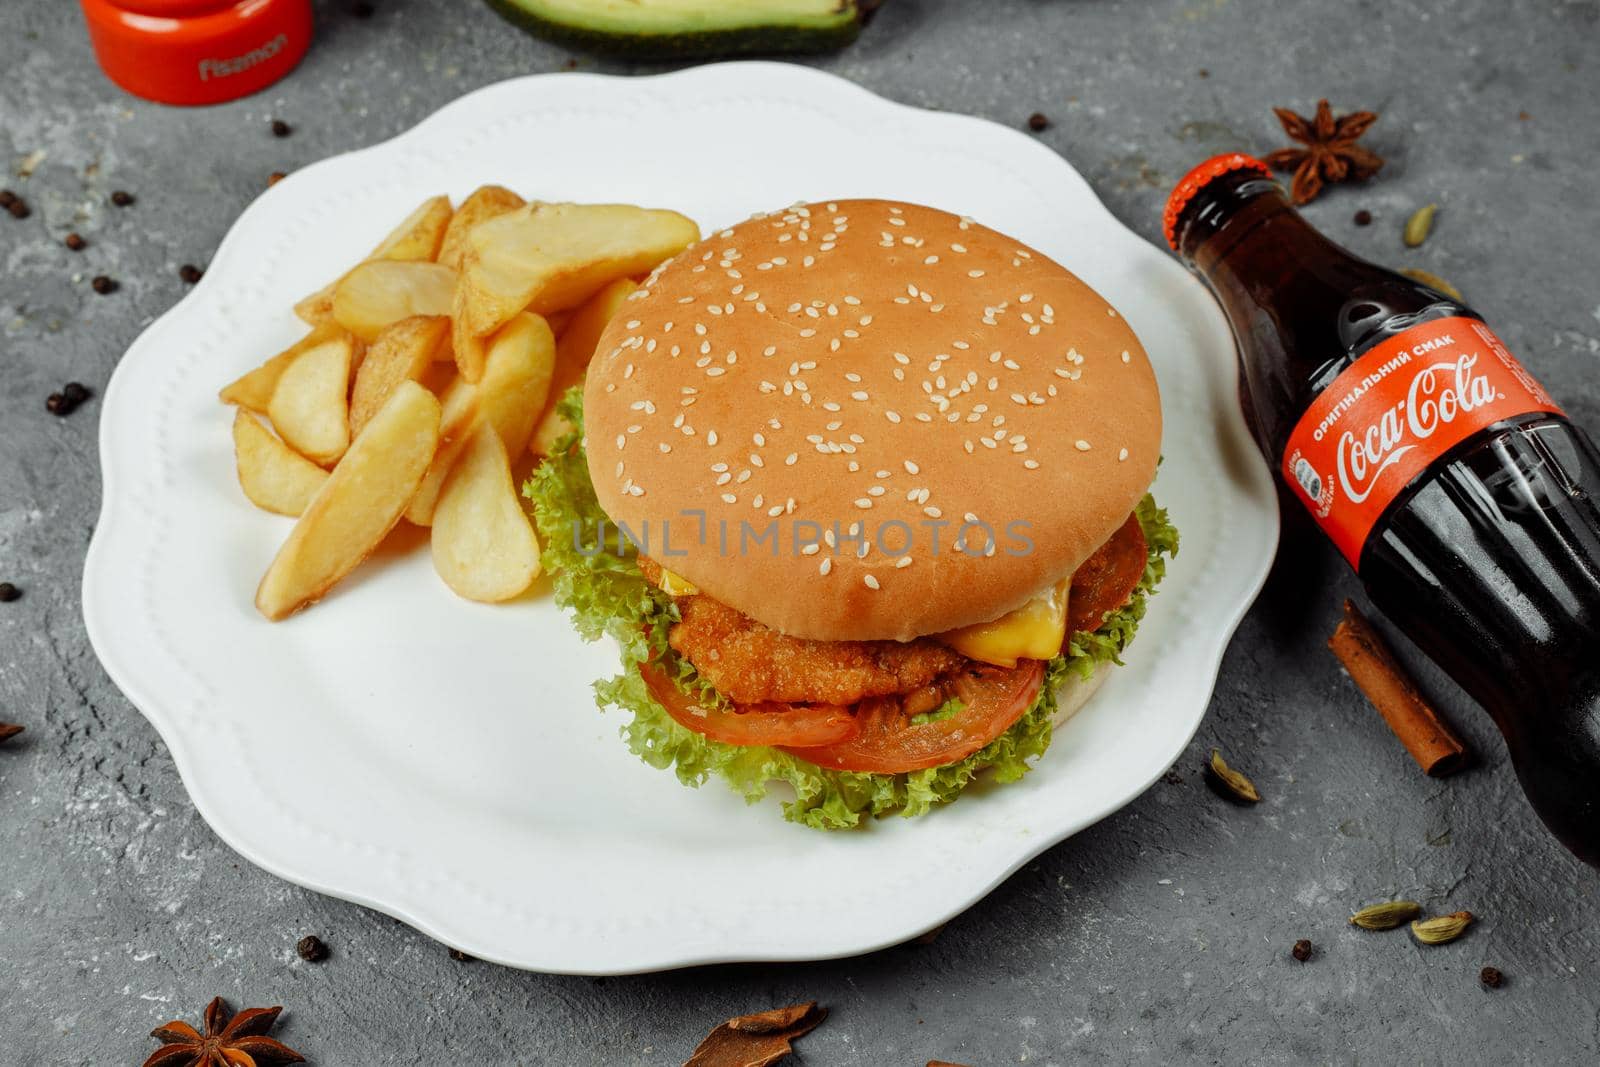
(1387, 684)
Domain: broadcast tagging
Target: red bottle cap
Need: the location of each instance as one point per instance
(1198, 179)
(197, 51)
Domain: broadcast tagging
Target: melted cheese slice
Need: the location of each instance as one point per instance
(676, 585)
(1033, 631)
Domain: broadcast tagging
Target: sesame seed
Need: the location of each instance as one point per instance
(1123, 454)
(1081, 445)
(791, 459)
(902, 563)
(863, 502)
(1125, 357)
(729, 498)
(869, 581)
(1031, 464)
(810, 549)
(911, 468)
(826, 565)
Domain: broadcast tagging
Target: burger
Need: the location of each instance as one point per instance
(861, 489)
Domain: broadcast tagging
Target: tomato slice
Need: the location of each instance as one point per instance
(1105, 581)
(752, 724)
(889, 743)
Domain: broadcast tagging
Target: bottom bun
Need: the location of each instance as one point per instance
(1075, 693)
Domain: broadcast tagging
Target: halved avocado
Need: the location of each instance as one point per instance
(689, 29)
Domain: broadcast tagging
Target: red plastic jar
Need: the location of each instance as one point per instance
(197, 51)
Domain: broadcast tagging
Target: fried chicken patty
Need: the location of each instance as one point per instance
(749, 663)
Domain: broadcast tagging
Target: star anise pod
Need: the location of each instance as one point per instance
(229, 1041)
(1330, 153)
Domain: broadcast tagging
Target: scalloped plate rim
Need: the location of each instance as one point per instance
(431, 917)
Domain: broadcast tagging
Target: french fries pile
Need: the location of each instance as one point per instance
(428, 379)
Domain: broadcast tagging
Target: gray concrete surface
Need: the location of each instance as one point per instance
(1162, 934)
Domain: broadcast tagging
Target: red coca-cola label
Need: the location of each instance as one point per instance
(1394, 411)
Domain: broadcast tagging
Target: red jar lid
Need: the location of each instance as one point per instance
(1198, 179)
(197, 51)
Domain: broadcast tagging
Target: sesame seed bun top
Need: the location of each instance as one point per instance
(874, 363)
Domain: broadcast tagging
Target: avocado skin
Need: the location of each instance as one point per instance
(747, 40)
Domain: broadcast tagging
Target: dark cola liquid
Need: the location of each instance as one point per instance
(1490, 559)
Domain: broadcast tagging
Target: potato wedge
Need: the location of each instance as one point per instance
(357, 506)
(381, 292)
(459, 404)
(573, 352)
(417, 238)
(309, 406)
(550, 257)
(273, 476)
(483, 544)
(254, 389)
(516, 379)
(404, 351)
(483, 204)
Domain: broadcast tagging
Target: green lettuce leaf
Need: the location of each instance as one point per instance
(607, 594)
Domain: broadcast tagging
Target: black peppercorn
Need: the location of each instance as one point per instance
(1491, 978)
(76, 242)
(7, 197)
(1037, 122)
(75, 393)
(281, 128)
(190, 273)
(311, 949)
(1363, 217)
(1302, 950)
(122, 198)
(8, 592)
(19, 208)
(103, 285)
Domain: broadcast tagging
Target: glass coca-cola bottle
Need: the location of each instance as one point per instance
(1466, 501)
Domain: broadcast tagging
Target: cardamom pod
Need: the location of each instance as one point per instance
(1432, 281)
(1419, 225)
(1441, 929)
(1237, 785)
(1386, 916)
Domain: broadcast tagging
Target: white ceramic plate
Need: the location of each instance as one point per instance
(443, 761)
